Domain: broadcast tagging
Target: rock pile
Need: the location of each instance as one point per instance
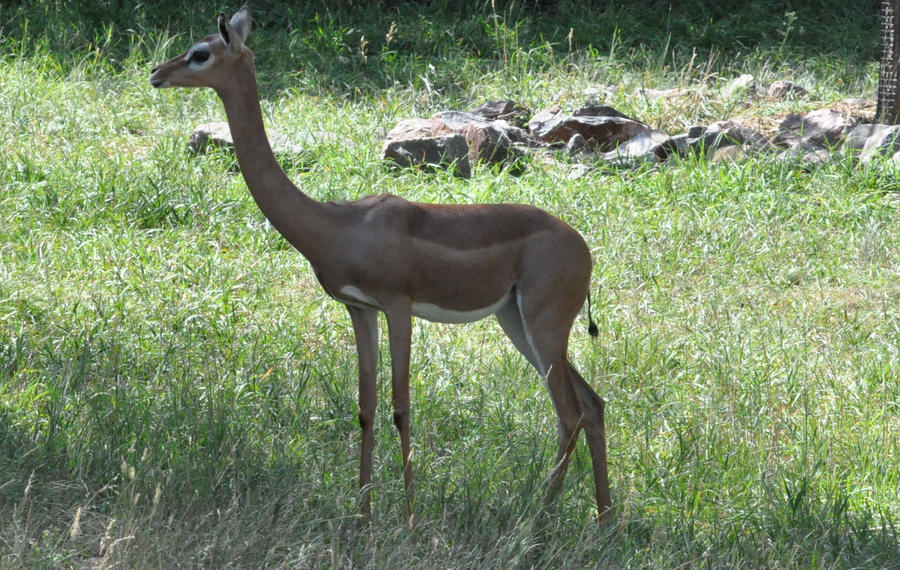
(496, 133)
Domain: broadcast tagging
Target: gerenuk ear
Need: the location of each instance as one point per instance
(241, 23)
(232, 39)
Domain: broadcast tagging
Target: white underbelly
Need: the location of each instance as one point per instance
(438, 314)
(430, 311)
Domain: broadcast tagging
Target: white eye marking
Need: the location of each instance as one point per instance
(199, 57)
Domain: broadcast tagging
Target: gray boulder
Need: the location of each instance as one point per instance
(735, 133)
(604, 133)
(489, 141)
(646, 147)
(728, 154)
(858, 135)
(542, 121)
(824, 127)
(806, 153)
(458, 120)
(593, 110)
(505, 110)
(885, 142)
(448, 151)
(576, 144)
(783, 90)
(739, 86)
(411, 129)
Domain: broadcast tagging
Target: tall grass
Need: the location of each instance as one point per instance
(176, 390)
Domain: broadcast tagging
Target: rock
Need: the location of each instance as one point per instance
(489, 141)
(489, 144)
(591, 110)
(681, 143)
(858, 135)
(503, 109)
(448, 151)
(602, 132)
(412, 129)
(730, 131)
(739, 85)
(576, 144)
(543, 119)
(786, 139)
(494, 141)
(885, 142)
(728, 154)
(677, 145)
(456, 121)
(695, 131)
(708, 143)
(646, 147)
(805, 152)
(605, 133)
(786, 90)
(824, 127)
(210, 135)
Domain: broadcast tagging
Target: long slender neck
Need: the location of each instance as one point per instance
(299, 218)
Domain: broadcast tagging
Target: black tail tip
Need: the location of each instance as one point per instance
(592, 328)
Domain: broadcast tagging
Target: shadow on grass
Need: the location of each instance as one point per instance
(347, 48)
(788, 531)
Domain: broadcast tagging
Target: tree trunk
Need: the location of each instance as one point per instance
(888, 110)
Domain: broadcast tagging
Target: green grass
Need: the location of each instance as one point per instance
(176, 389)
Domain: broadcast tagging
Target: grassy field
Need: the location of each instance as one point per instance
(177, 391)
